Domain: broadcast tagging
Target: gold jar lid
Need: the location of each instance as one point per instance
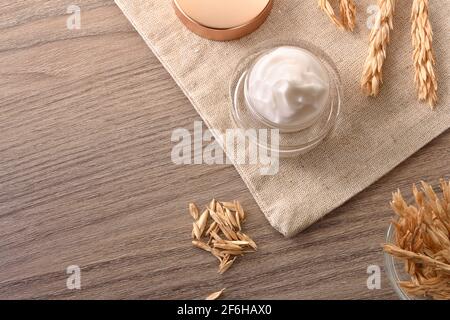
(222, 19)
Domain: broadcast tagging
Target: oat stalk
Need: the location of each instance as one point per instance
(372, 77)
(347, 11)
(422, 240)
(423, 55)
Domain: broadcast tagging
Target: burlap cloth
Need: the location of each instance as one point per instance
(373, 135)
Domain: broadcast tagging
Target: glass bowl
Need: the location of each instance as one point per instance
(291, 142)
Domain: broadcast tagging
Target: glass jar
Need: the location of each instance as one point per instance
(292, 141)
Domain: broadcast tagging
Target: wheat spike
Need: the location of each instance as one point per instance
(372, 77)
(347, 11)
(423, 55)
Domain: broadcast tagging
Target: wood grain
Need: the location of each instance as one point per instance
(86, 178)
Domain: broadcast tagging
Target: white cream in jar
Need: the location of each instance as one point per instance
(288, 87)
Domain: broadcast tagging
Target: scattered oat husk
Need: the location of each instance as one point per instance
(215, 236)
(212, 204)
(227, 246)
(228, 232)
(347, 11)
(216, 253)
(372, 76)
(193, 210)
(202, 221)
(240, 243)
(422, 240)
(201, 245)
(238, 220)
(251, 243)
(196, 231)
(229, 205)
(423, 55)
(225, 266)
(231, 217)
(215, 295)
(212, 227)
(223, 232)
(217, 219)
(239, 210)
(231, 252)
(219, 208)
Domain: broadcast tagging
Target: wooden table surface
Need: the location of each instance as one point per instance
(86, 178)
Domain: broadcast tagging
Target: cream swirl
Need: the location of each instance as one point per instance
(288, 86)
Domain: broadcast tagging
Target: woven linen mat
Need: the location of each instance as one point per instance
(372, 136)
